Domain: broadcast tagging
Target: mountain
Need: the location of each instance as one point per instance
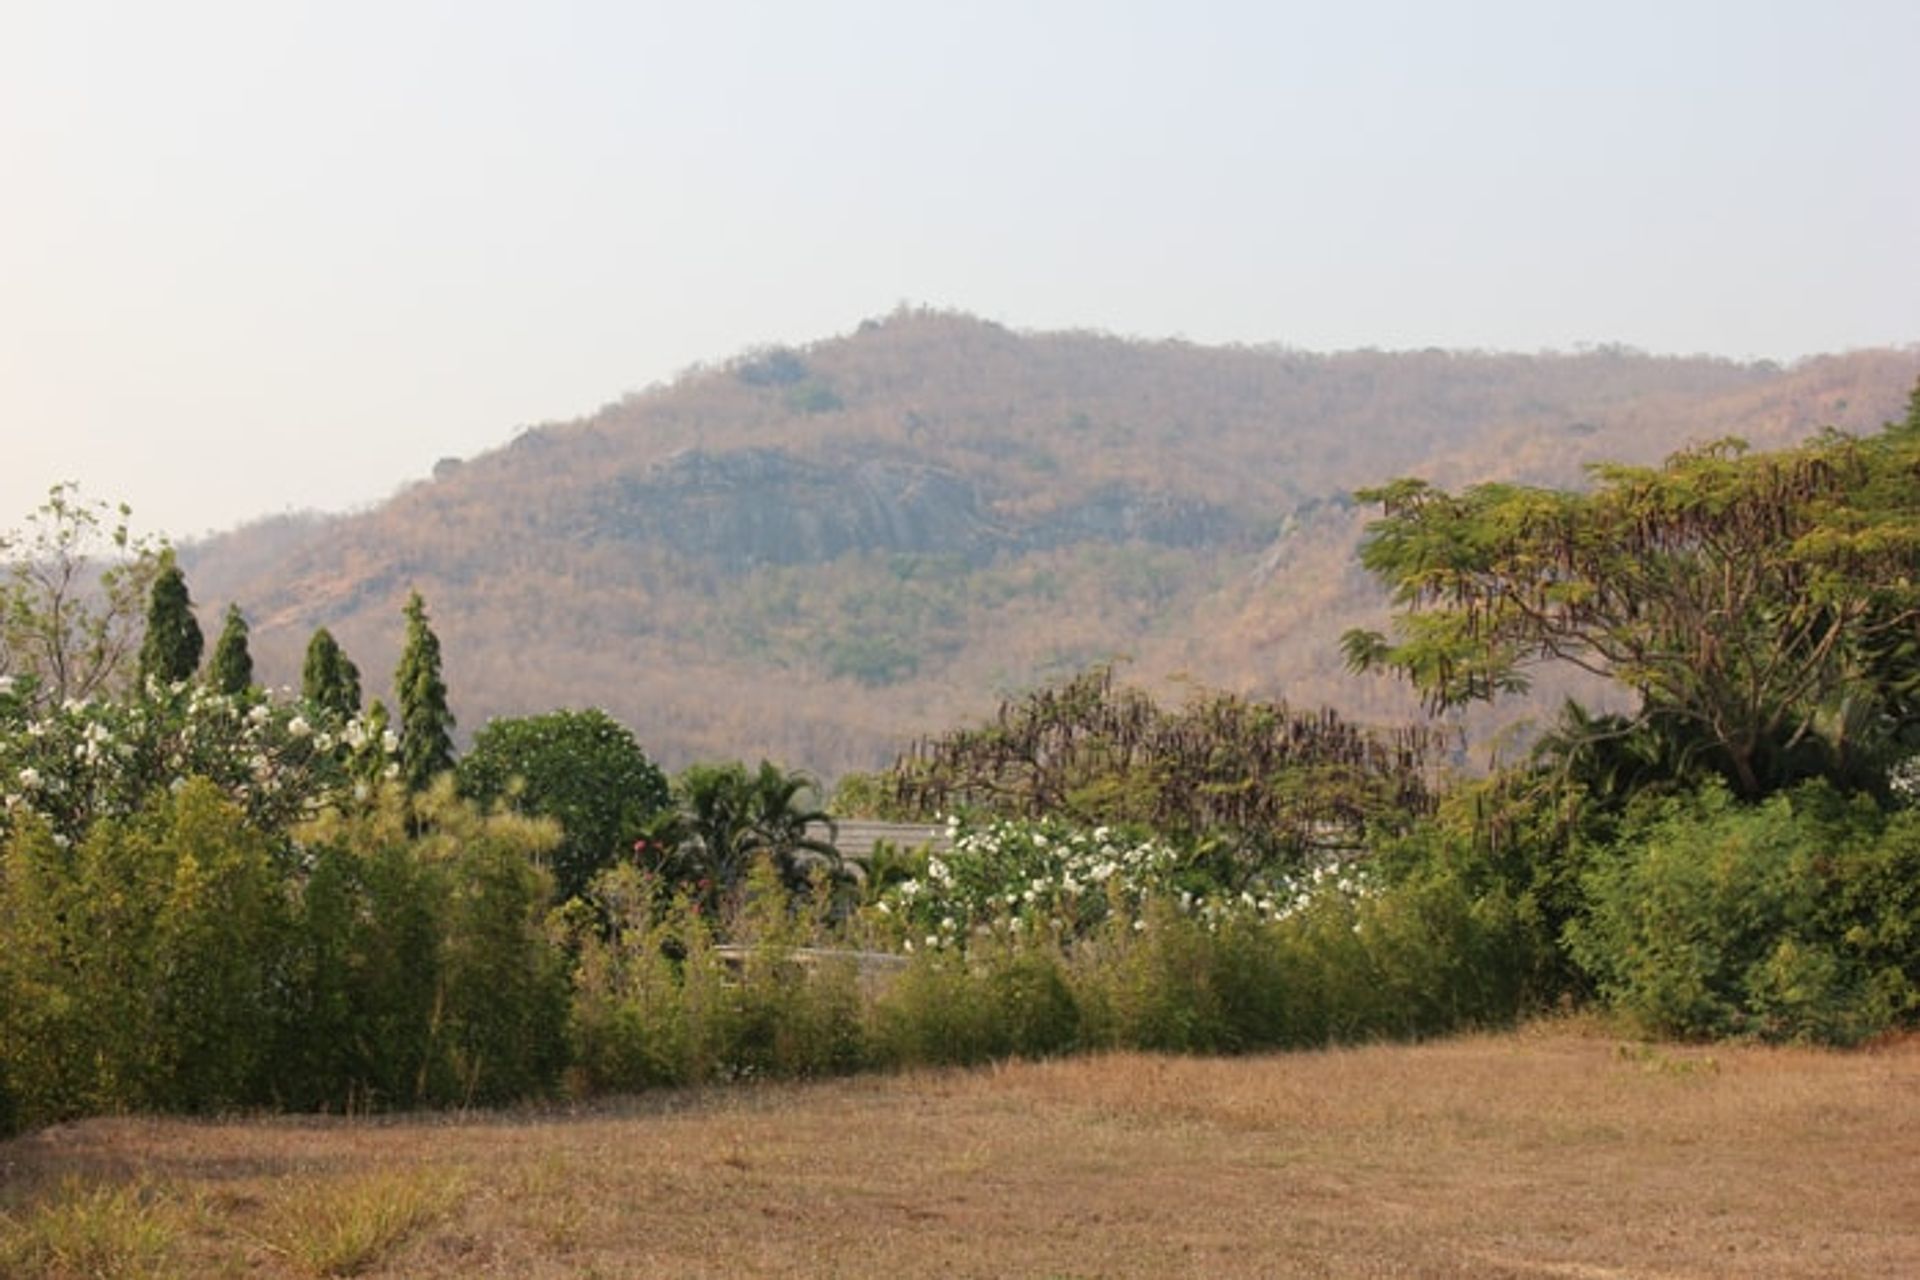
(816, 554)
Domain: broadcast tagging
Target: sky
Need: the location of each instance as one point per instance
(260, 256)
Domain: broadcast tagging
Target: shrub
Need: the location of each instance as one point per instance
(1792, 919)
(140, 969)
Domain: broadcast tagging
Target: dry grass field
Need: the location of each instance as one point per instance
(1555, 1151)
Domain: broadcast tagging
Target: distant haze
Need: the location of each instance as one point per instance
(261, 257)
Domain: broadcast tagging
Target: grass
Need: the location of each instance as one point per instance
(1551, 1152)
(347, 1226)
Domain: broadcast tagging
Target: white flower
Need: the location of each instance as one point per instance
(1139, 926)
(389, 742)
(258, 713)
(883, 908)
(298, 727)
(30, 778)
(391, 772)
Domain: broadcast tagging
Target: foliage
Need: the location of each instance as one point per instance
(656, 1002)
(727, 817)
(138, 966)
(329, 680)
(170, 651)
(426, 725)
(424, 950)
(581, 768)
(1762, 605)
(1797, 918)
(230, 671)
(71, 598)
(1268, 783)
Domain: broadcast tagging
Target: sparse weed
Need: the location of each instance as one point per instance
(343, 1228)
(125, 1231)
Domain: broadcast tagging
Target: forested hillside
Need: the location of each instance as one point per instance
(816, 554)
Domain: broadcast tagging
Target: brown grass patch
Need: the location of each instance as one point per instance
(1554, 1152)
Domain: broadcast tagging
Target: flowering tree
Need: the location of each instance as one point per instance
(73, 765)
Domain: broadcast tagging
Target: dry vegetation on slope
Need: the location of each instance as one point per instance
(1553, 1152)
(816, 554)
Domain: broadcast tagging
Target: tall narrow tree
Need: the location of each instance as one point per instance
(231, 669)
(426, 725)
(171, 650)
(329, 680)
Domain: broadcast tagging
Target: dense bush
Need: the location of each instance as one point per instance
(178, 960)
(654, 1003)
(1797, 918)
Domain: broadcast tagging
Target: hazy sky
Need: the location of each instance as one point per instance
(259, 256)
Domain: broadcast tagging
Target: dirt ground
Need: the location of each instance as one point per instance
(1559, 1150)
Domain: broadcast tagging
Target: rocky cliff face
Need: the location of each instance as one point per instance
(754, 507)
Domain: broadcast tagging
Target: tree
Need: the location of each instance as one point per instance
(231, 669)
(329, 680)
(1763, 606)
(728, 817)
(581, 768)
(72, 593)
(426, 725)
(170, 653)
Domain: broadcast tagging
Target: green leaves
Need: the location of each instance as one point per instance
(426, 725)
(1743, 594)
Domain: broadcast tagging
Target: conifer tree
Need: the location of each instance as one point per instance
(329, 680)
(231, 669)
(426, 725)
(171, 650)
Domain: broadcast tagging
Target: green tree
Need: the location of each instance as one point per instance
(231, 669)
(171, 651)
(73, 591)
(728, 817)
(329, 680)
(1762, 605)
(581, 768)
(426, 725)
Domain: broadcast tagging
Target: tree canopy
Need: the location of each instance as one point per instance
(171, 650)
(328, 677)
(1765, 607)
(230, 671)
(426, 725)
(72, 592)
(581, 768)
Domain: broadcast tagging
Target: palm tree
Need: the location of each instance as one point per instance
(728, 817)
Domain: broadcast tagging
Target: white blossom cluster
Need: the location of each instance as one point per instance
(1014, 878)
(86, 760)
